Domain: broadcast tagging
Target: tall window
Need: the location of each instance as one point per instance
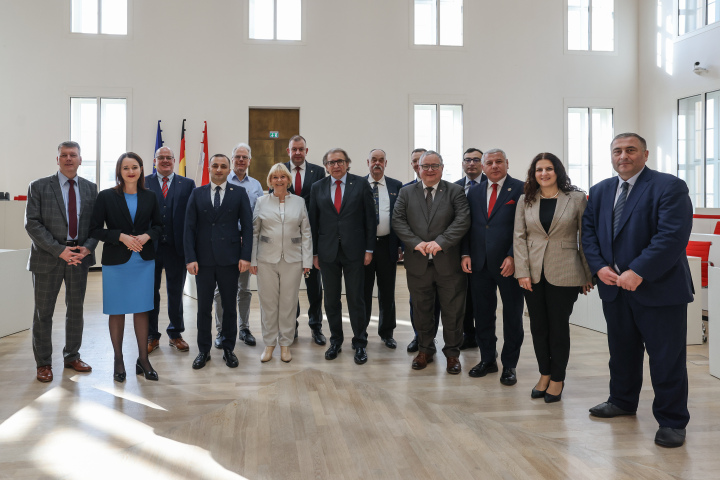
(439, 22)
(99, 125)
(591, 25)
(695, 14)
(440, 128)
(275, 19)
(690, 145)
(590, 131)
(100, 16)
(712, 148)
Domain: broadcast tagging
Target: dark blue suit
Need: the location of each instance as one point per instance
(489, 242)
(170, 253)
(650, 240)
(213, 241)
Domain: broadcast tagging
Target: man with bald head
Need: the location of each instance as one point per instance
(173, 192)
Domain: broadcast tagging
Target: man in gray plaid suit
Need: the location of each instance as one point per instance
(57, 219)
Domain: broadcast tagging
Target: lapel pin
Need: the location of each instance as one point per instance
(509, 189)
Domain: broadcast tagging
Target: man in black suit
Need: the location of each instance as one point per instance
(304, 174)
(472, 166)
(216, 252)
(342, 219)
(384, 262)
(173, 192)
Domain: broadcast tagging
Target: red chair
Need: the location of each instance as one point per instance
(702, 250)
(717, 229)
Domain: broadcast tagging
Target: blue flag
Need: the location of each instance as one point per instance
(158, 143)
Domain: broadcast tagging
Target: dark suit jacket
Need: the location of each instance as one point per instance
(446, 224)
(313, 173)
(651, 239)
(47, 225)
(463, 180)
(111, 217)
(393, 187)
(179, 192)
(354, 227)
(490, 240)
(212, 238)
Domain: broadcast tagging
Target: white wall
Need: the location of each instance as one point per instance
(353, 78)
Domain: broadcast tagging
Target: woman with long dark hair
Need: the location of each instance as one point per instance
(127, 218)
(550, 265)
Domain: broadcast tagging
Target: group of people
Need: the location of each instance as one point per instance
(540, 241)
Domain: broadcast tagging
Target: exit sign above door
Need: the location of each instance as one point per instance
(274, 134)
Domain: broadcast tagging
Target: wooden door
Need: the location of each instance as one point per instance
(270, 132)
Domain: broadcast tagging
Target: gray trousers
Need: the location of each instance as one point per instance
(278, 290)
(47, 287)
(244, 295)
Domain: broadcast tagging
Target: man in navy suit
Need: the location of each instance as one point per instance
(304, 174)
(488, 256)
(472, 167)
(342, 219)
(384, 262)
(216, 252)
(173, 192)
(635, 231)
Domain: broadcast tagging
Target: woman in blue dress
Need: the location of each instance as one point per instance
(127, 218)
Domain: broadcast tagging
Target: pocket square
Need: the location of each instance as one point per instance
(511, 202)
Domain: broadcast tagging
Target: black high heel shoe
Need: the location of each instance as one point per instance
(549, 398)
(150, 374)
(537, 393)
(119, 377)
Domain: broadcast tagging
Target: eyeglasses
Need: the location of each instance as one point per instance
(164, 157)
(433, 166)
(241, 157)
(472, 160)
(339, 163)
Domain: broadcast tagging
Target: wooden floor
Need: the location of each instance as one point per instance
(317, 419)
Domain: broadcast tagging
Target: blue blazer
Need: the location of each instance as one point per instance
(179, 193)
(212, 238)
(393, 187)
(462, 181)
(490, 240)
(651, 239)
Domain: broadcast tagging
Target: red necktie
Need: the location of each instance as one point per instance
(493, 198)
(165, 187)
(298, 181)
(338, 195)
(72, 210)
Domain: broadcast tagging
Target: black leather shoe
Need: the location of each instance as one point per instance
(670, 437)
(201, 360)
(509, 378)
(608, 410)
(332, 352)
(537, 393)
(468, 342)
(389, 342)
(149, 374)
(230, 358)
(483, 368)
(360, 355)
(550, 398)
(247, 337)
(317, 336)
(218, 342)
(413, 346)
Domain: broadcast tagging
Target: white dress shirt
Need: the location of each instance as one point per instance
(499, 187)
(222, 192)
(333, 187)
(293, 173)
(383, 227)
(631, 183)
(169, 182)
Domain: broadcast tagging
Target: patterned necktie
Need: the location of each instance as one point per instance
(72, 210)
(216, 204)
(493, 198)
(165, 187)
(376, 199)
(619, 206)
(338, 195)
(429, 199)
(298, 181)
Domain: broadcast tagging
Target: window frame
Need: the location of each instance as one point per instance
(698, 31)
(68, 27)
(411, 8)
(589, 51)
(275, 41)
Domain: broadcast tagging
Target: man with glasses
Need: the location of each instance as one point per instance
(241, 157)
(431, 217)
(344, 228)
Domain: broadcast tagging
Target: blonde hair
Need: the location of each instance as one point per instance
(278, 168)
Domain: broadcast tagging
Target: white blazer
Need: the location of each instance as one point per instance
(275, 238)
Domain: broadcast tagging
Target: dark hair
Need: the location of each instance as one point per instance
(563, 181)
(471, 150)
(642, 141)
(336, 150)
(220, 155)
(120, 186)
(421, 150)
(69, 144)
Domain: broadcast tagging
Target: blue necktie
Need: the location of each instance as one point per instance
(619, 206)
(216, 204)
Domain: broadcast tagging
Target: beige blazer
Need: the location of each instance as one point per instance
(559, 251)
(275, 238)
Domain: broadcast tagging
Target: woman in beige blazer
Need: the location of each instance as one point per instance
(281, 253)
(550, 265)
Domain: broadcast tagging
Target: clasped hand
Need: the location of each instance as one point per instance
(133, 242)
(428, 248)
(74, 255)
(627, 280)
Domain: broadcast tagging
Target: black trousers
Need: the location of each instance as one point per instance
(226, 278)
(469, 321)
(313, 285)
(385, 270)
(550, 308)
(175, 272)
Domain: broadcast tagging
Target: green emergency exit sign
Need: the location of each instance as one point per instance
(274, 134)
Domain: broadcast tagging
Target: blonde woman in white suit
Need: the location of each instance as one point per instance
(550, 265)
(281, 254)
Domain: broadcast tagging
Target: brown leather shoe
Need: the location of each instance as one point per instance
(44, 373)
(79, 366)
(178, 343)
(421, 361)
(153, 344)
(453, 365)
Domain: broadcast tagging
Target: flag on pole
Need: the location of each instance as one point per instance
(204, 158)
(158, 142)
(181, 170)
